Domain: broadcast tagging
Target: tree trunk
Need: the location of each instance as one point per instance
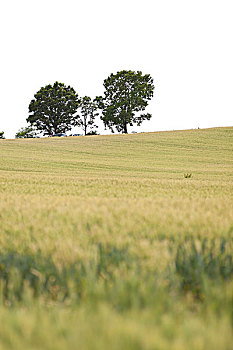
(125, 127)
(85, 125)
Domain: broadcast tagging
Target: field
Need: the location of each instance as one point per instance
(105, 244)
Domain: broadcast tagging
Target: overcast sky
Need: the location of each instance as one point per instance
(186, 46)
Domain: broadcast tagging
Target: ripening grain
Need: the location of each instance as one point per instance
(104, 244)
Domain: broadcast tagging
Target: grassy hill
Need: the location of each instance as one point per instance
(104, 244)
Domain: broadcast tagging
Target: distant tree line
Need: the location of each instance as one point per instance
(58, 108)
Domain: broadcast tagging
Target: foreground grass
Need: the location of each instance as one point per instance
(105, 244)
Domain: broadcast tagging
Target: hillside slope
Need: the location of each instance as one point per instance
(104, 243)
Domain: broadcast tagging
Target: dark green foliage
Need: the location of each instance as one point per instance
(40, 274)
(111, 257)
(36, 272)
(196, 261)
(92, 132)
(187, 175)
(88, 115)
(25, 133)
(125, 93)
(118, 277)
(2, 135)
(53, 109)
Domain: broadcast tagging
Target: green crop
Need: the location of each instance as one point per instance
(106, 244)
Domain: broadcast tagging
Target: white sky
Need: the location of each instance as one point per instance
(186, 46)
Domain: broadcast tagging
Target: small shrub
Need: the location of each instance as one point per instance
(187, 175)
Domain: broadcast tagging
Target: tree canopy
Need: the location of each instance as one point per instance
(126, 93)
(25, 133)
(88, 114)
(53, 109)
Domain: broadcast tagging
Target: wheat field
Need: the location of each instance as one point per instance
(117, 241)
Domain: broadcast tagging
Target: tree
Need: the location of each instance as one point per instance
(2, 135)
(92, 132)
(125, 93)
(88, 114)
(25, 133)
(52, 110)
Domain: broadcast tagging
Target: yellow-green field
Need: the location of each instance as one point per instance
(104, 244)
